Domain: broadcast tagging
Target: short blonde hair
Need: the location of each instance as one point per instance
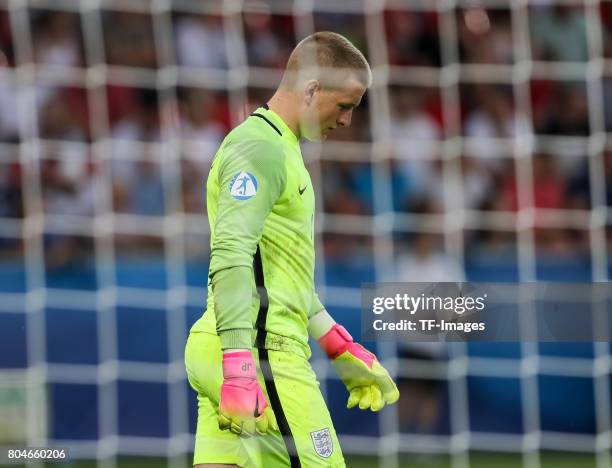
(328, 57)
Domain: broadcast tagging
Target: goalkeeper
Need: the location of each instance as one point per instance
(247, 356)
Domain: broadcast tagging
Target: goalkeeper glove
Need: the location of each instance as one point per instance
(367, 381)
(243, 408)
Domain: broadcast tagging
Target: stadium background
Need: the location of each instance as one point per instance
(480, 153)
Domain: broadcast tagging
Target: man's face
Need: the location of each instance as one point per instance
(324, 110)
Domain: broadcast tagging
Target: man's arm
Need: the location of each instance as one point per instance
(238, 228)
(251, 178)
(367, 381)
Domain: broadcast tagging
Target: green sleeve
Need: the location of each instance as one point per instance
(316, 305)
(237, 231)
(232, 290)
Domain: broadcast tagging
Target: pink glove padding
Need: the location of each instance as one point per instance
(243, 408)
(338, 340)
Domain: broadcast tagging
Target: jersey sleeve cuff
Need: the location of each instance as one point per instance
(319, 324)
(237, 338)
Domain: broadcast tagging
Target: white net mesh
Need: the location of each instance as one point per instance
(482, 152)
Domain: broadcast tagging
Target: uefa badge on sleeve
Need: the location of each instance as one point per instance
(322, 442)
(243, 186)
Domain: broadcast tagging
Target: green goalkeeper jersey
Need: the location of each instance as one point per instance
(261, 204)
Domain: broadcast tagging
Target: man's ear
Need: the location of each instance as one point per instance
(312, 86)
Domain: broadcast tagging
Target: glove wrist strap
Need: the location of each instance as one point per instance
(335, 341)
(239, 364)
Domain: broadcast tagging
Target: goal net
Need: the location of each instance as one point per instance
(480, 153)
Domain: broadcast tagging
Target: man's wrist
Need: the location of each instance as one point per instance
(235, 350)
(319, 324)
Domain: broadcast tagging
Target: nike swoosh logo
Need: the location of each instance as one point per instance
(302, 190)
(257, 413)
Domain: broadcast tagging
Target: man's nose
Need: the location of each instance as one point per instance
(345, 119)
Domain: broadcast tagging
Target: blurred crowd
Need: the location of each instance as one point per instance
(428, 171)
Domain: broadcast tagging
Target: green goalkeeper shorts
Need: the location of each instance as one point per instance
(306, 435)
